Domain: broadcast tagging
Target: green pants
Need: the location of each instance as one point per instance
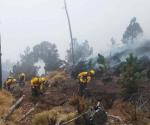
(35, 91)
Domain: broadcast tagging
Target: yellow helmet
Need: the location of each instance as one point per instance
(35, 79)
(14, 80)
(43, 79)
(92, 72)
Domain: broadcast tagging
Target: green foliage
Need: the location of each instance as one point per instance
(28, 57)
(80, 67)
(130, 76)
(26, 64)
(44, 51)
(102, 61)
(132, 32)
(81, 51)
(47, 52)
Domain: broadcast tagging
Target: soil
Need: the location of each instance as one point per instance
(106, 93)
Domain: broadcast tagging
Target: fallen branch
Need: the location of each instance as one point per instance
(65, 123)
(115, 117)
(29, 112)
(12, 109)
(142, 105)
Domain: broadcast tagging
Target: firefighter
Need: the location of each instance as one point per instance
(84, 79)
(9, 82)
(43, 82)
(38, 85)
(22, 78)
(35, 86)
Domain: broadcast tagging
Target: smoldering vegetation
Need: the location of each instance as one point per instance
(121, 82)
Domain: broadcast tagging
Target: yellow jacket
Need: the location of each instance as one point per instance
(84, 77)
(35, 82)
(42, 81)
(10, 81)
(38, 82)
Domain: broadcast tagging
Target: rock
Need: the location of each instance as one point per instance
(96, 117)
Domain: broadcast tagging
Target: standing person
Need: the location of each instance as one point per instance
(35, 86)
(22, 79)
(84, 79)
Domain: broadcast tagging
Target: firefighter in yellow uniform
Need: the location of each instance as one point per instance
(9, 82)
(35, 86)
(38, 85)
(42, 81)
(84, 79)
(22, 78)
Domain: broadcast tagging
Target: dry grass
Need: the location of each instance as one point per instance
(80, 103)
(129, 113)
(74, 100)
(57, 78)
(52, 117)
(6, 101)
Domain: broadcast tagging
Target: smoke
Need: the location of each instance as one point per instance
(40, 64)
(7, 66)
(139, 48)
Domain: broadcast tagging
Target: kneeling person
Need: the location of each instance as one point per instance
(22, 78)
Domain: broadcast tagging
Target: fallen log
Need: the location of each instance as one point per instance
(12, 109)
(28, 113)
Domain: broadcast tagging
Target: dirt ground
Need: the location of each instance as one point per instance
(108, 94)
(58, 97)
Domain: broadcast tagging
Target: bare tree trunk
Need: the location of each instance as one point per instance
(70, 30)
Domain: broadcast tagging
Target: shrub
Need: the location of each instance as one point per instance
(80, 103)
(6, 101)
(57, 78)
(53, 116)
(130, 76)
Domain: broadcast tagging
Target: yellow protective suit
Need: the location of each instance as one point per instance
(42, 81)
(84, 77)
(9, 82)
(35, 82)
(38, 85)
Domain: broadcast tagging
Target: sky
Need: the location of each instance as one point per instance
(28, 22)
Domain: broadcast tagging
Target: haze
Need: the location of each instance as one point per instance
(28, 22)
